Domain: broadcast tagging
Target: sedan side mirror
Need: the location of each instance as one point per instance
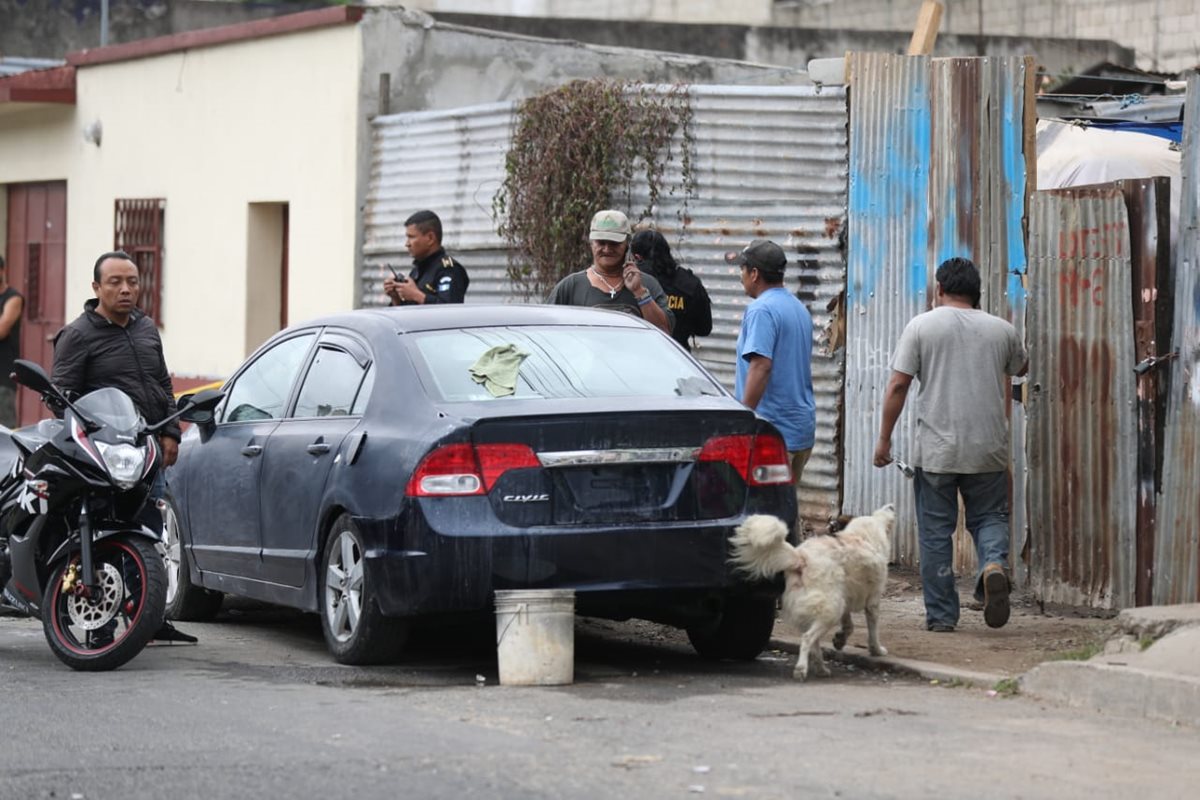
(199, 408)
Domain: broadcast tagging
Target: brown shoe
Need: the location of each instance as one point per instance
(995, 596)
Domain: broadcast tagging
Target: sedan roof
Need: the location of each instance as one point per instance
(413, 319)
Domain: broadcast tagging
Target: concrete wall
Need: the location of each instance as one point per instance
(737, 29)
(212, 130)
(796, 46)
(755, 12)
(1162, 32)
(436, 66)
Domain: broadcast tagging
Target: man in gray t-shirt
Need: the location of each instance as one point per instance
(962, 357)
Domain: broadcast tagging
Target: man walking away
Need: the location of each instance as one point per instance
(113, 344)
(774, 351)
(962, 357)
(435, 276)
(12, 304)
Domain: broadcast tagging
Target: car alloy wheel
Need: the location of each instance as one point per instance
(344, 586)
(171, 549)
(355, 628)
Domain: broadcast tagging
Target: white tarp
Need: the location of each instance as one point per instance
(1078, 155)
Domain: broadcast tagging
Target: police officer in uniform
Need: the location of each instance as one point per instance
(686, 295)
(435, 276)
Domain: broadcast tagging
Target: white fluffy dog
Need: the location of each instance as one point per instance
(826, 578)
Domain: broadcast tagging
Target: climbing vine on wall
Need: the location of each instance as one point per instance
(579, 148)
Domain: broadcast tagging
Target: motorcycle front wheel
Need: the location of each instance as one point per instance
(103, 629)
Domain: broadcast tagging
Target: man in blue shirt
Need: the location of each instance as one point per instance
(774, 351)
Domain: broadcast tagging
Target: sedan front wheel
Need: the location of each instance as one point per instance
(356, 631)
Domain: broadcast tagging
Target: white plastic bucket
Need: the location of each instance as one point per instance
(535, 636)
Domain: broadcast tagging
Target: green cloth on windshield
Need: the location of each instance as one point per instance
(497, 369)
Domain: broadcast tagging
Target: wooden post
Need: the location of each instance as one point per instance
(925, 34)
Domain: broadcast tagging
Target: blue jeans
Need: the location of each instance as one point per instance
(985, 498)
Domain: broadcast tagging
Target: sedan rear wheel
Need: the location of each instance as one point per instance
(356, 631)
(740, 632)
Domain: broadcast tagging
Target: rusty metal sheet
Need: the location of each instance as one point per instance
(1177, 537)
(1148, 203)
(938, 166)
(1082, 415)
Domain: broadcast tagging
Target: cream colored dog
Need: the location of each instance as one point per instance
(826, 578)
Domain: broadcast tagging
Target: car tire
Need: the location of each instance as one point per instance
(740, 632)
(356, 631)
(185, 600)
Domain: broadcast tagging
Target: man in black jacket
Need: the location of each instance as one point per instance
(435, 276)
(113, 344)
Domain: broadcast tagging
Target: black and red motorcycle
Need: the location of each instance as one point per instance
(79, 537)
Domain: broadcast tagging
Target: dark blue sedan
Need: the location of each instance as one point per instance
(380, 466)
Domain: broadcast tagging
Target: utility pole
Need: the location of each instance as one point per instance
(103, 22)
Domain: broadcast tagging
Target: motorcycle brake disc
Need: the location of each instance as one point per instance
(94, 612)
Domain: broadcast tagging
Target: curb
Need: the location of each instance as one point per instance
(1118, 690)
(928, 670)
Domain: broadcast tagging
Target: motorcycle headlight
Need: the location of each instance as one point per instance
(124, 461)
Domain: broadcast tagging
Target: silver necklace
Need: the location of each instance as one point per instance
(612, 291)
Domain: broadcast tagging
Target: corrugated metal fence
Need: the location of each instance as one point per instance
(1082, 439)
(938, 157)
(1177, 541)
(769, 162)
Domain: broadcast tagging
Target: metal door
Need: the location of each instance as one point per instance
(37, 267)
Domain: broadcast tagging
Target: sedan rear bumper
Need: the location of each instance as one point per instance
(606, 568)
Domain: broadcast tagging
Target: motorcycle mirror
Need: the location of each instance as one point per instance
(31, 375)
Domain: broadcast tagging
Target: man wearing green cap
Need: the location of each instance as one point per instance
(613, 281)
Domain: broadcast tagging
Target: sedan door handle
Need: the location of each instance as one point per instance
(317, 449)
(252, 450)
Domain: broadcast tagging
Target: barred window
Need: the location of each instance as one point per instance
(138, 230)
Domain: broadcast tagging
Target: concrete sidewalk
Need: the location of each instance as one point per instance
(1150, 669)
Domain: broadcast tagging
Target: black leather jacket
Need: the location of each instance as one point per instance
(92, 353)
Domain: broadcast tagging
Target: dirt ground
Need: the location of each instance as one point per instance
(1032, 635)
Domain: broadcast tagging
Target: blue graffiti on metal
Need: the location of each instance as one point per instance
(1011, 144)
(897, 193)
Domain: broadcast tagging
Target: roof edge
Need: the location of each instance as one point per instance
(225, 34)
(53, 85)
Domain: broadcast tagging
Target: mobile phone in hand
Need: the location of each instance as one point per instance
(395, 274)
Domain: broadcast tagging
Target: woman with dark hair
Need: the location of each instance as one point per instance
(686, 296)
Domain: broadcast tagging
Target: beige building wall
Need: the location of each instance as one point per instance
(213, 130)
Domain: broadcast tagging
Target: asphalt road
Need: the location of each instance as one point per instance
(259, 710)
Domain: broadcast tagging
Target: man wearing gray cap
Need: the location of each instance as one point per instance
(613, 281)
(774, 351)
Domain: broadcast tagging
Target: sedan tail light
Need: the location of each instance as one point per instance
(761, 460)
(464, 469)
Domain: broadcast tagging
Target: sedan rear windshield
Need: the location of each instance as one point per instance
(474, 364)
